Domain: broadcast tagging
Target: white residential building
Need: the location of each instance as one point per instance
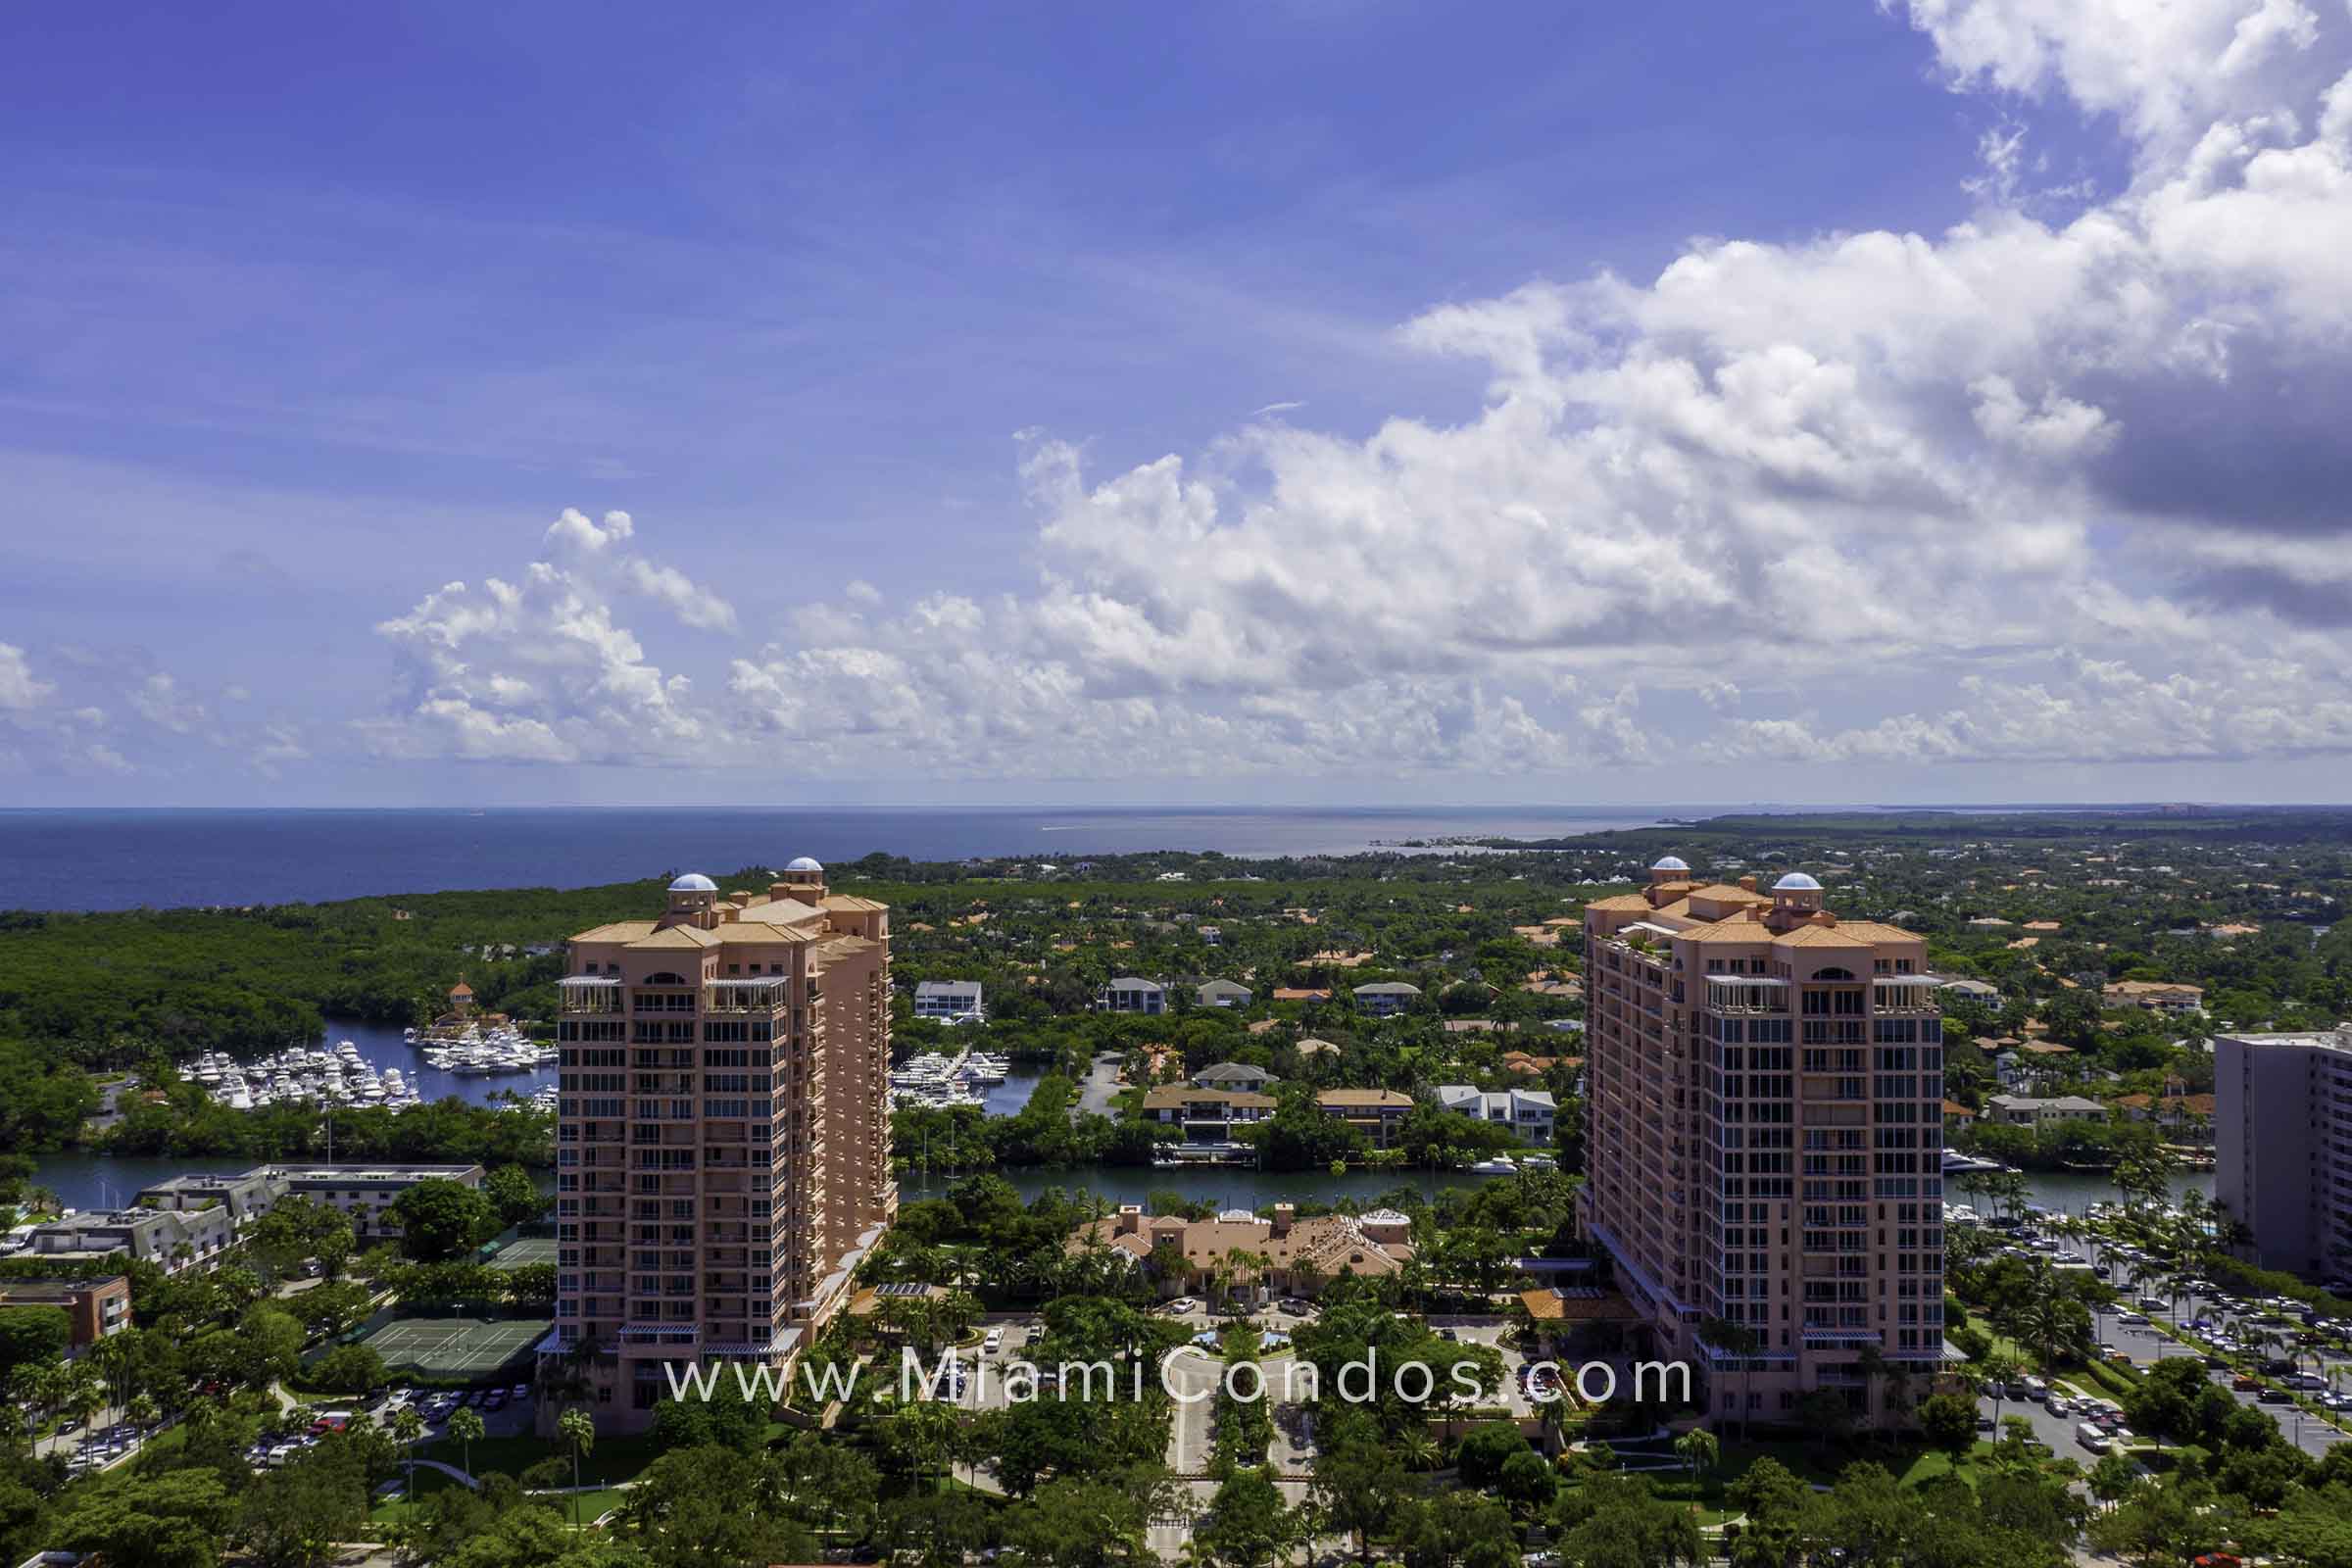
(1384, 999)
(1127, 993)
(952, 1000)
(1528, 1112)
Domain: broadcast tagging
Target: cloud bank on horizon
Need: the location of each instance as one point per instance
(2063, 483)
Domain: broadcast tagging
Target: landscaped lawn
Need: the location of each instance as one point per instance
(1811, 1463)
(612, 1458)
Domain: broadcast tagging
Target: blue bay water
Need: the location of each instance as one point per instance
(166, 858)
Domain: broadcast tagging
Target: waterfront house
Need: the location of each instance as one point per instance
(950, 1000)
(1378, 1113)
(1528, 1113)
(1206, 1115)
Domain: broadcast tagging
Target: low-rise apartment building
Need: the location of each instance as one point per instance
(95, 1310)
(172, 1241)
(1301, 1256)
(363, 1191)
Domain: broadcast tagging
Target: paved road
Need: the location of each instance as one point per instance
(2147, 1346)
(1101, 1084)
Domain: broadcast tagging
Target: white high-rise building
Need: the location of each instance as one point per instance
(2283, 1140)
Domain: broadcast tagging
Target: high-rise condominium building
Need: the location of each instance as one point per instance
(2283, 1147)
(723, 1137)
(1765, 1135)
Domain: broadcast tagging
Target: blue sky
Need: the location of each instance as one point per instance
(1281, 401)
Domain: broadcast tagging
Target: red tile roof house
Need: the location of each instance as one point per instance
(1302, 1255)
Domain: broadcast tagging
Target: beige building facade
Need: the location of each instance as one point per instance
(723, 1132)
(1765, 1135)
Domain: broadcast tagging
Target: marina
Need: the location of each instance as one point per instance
(428, 1069)
(939, 1082)
(300, 1075)
(342, 1075)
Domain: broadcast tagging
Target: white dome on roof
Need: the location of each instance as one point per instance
(804, 864)
(1796, 882)
(693, 882)
(1671, 863)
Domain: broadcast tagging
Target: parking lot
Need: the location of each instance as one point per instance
(505, 1412)
(2144, 1332)
(101, 1446)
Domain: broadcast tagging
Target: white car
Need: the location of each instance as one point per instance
(993, 1342)
(1184, 1303)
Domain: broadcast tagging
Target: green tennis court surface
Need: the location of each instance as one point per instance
(455, 1346)
(524, 1251)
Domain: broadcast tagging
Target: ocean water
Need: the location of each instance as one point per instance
(121, 859)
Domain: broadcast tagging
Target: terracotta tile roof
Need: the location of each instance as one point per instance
(617, 931)
(1330, 1242)
(1878, 931)
(1363, 1098)
(678, 936)
(1734, 930)
(761, 931)
(1576, 1303)
(1820, 936)
(1621, 902)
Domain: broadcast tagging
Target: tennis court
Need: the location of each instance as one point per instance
(524, 1251)
(455, 1346)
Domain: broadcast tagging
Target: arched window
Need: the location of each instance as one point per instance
(1833, 974)
(664, 978)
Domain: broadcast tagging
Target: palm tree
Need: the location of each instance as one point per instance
(1999, 1369)
(576, 1430)
(1740, 1342)
(1699, 1450)
(466, 1425)
(406, 1427)
(84, 1400)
